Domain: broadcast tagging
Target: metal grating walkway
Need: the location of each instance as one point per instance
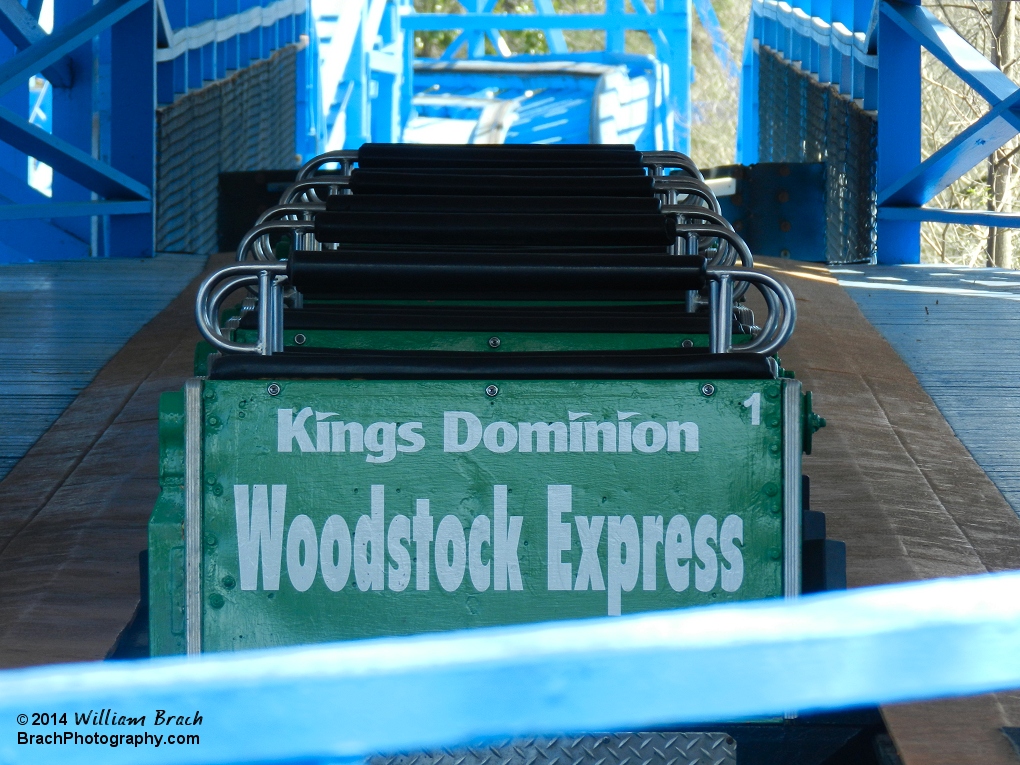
(62, 321)
(959, 331)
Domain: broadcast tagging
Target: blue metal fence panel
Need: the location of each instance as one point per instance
(344, 702)
(841, 42)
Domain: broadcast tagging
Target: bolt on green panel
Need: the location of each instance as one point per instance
(480, 341)
(350, 509)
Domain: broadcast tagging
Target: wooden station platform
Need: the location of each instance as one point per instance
(895, 482)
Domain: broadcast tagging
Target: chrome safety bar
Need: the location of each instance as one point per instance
(271, 279)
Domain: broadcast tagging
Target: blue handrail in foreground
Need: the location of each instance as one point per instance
(867, 646)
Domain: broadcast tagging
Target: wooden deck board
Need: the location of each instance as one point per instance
(896, 483)
(75, 508)
(62, 322)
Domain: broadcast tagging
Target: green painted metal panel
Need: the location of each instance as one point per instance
(436, 506)
(166, 534)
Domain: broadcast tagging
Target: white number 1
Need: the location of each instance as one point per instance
(755, 405)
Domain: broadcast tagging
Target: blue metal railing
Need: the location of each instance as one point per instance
(350, 700)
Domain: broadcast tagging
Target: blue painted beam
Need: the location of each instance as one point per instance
(16, 70)
(928, 179)
(521, 21)
(958, 55)
(133, 130)
(67, 159)
(351, 700)
(962, 217)
(21, 27)
(73, 209)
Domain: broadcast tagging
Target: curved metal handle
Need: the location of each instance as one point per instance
(345, 157)
(782, 311)
(728, 235)
(688, 187)
(248, 240)
(307, 188)
(658, 160)
(292, 212)
(216, 286)
(283, 212)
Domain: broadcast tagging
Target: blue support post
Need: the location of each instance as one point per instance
(357, 72)
(615, 36)
(747, 118)
(899, 133)
(133, 129)
(678, 32)
(72, 118)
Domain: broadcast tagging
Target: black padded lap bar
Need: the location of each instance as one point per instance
(648, 319)
(385, 182)
(504, 276)
(666, 364)
(476, 204)
(504, 229)
(407, 156)
(485, 252)
(506, 169)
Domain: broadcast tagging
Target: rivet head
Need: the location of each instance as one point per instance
(273, 389)
(491, 390)
(210, 540)
(494, 342)
(707, 389)
(687, 343)
(300, 339)
(775, 554)
(229, 582)
(770, 489)
(216, 600)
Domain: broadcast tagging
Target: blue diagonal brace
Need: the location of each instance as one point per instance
(554, 37)
(942, 168)
(68, 160)
(710, 22)
(958, 55)
(21, 28)
(36, 58)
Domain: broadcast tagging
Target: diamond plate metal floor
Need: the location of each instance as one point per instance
(63, 320)
(609, 749)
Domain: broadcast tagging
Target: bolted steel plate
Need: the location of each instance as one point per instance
(701, 748)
